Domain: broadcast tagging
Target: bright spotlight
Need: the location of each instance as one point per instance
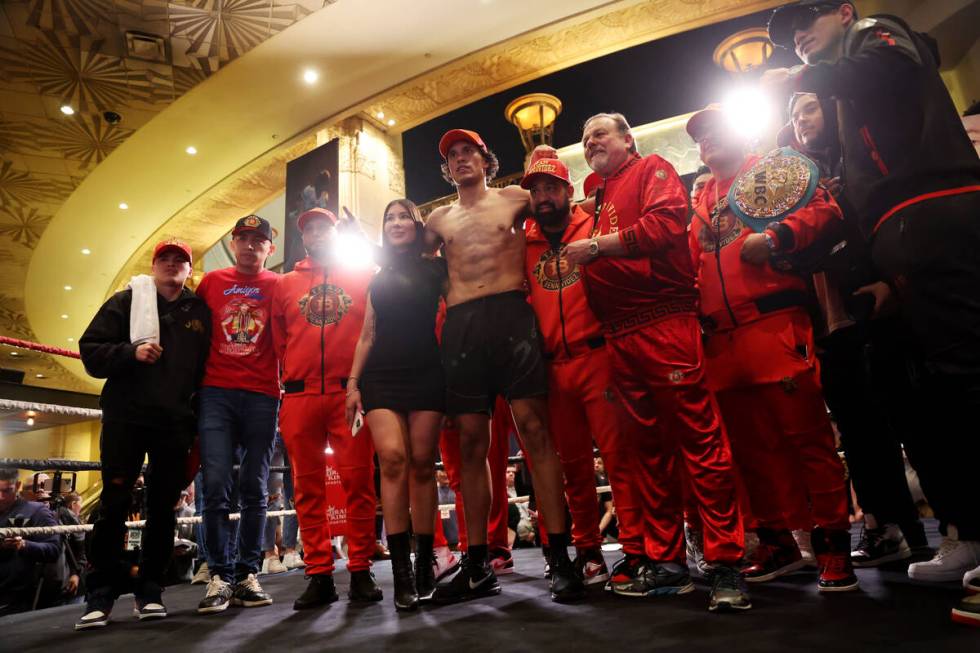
(353, 251)
(310, 76)
(748, 111)
(328, 450)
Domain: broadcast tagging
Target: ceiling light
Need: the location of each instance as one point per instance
(30, 421)
(13, 353)
(391, 122)
(310, 76)
(123, 205)
(380, 115)
(86, 251)
(39, 376)
(67, 110)
(71, 340)
(67, 287)
(64, 316)
(191, 150)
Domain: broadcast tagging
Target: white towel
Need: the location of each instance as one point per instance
(144, 321)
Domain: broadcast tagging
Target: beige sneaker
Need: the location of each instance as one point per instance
(202, 576)
(292, 561)
(273, 566)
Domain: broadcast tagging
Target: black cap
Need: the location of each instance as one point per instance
(253, 223)
(781, 22)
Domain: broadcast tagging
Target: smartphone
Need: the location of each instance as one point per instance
(358, 423)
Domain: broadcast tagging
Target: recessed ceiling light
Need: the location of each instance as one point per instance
(86, 251)
(391, 122)
(67, 110)
(30, 421)
(39, 376)
(380, 115)
(71, 340)
(67, 287)
(64, 316)
(310, 76)
(13, 353)
(191, 150)
(123, 205)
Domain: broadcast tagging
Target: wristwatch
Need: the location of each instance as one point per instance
(594, 247)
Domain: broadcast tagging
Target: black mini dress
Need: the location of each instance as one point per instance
(403, 371)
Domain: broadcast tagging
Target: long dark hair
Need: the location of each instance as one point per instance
(415, 249)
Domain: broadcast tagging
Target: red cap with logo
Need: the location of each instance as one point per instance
(548, 168)
(314, 213)
(454, 135)
(591, 183)
(173, 245)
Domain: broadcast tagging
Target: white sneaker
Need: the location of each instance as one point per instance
(806, 548)
(202, 576)
(951, 562)
(445, 562)
(292, 561)
(971, 581)
(273, 566)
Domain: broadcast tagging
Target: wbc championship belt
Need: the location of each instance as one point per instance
(778, 184)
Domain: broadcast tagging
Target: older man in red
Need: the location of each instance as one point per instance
(640, 284)
(759, 348)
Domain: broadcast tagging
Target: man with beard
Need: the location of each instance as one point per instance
(583, 402)
(490, 347)
(640, 284)
(913, 178)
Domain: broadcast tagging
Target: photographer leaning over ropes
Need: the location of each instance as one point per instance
(19, 556)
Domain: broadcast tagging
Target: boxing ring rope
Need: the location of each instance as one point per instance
(36, 346)
(84, 528)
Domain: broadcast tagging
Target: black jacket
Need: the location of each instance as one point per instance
(160, 394)
(900, 134)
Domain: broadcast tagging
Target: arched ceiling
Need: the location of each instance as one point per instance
(413, 60)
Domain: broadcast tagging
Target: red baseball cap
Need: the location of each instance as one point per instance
(697, 123)
(547, 167)
(454, 135)
(172, 244)
(314, 213)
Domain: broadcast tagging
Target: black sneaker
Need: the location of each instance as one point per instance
(149, 602)
(566, 583)
(217, 597)
(363, 587)
(625, 570)
(728, 590)
(96, 614)
(473, 581)
(656, 579)
(320, 590)
(880, 545)
(249, 594)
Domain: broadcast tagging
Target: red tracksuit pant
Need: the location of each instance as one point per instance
(501, 424)
(781, 436)
(582, 405)
(660, 372)
(307, 422)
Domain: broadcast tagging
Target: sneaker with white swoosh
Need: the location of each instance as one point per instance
(473, 581)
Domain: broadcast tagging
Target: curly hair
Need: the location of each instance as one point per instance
(493, 166)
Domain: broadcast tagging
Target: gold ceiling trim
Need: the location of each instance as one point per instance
(205, 220)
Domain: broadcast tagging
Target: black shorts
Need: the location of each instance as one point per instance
(492, 346)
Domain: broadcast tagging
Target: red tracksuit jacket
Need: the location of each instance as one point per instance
(317, 314)
(645, 202)
(566, 321)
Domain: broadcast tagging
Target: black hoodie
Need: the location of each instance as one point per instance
(160, 394)
(901, 137)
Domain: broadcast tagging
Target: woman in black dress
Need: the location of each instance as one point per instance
(397, 381)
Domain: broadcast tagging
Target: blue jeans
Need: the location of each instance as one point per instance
(235, 421)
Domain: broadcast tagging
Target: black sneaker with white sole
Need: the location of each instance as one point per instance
(249, 594)
(217, 596)
(96, 614)
(728, 590)
(473, 581)
(878, 546)
(149, 602)
(655, 579)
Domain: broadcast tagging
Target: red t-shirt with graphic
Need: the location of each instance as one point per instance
(242, 353)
